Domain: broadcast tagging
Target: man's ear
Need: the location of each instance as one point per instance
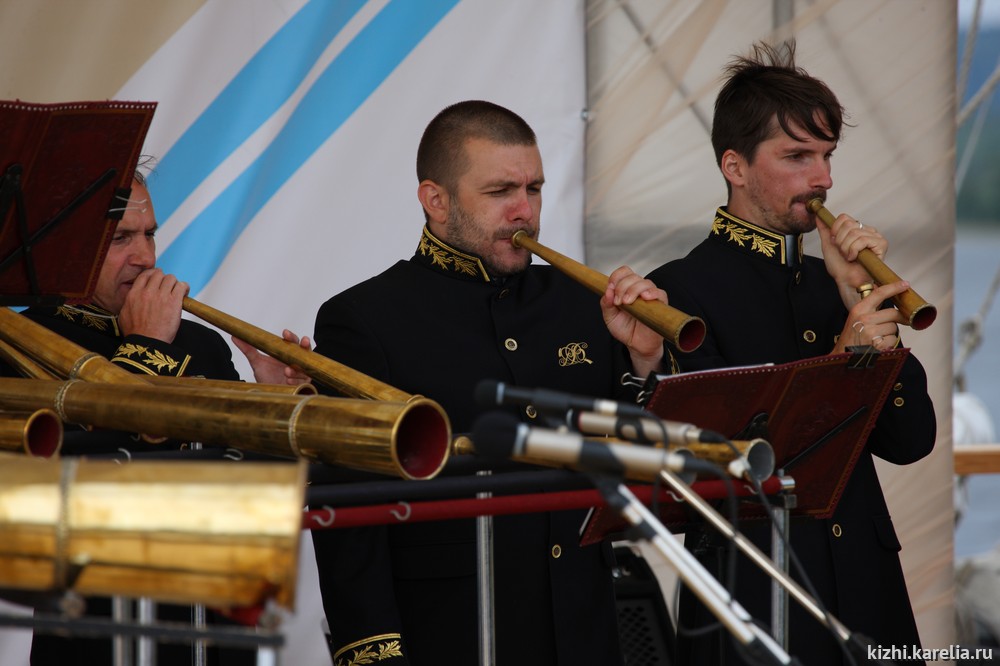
(435, 200)
(733, 167)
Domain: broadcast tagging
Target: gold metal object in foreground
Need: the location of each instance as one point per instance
(682, 330)
(214, 533)
(58, 355)
(37, 433)
(337, 376)
(408, 439)
(167, 381)
(918, 313)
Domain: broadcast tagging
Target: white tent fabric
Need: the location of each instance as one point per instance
(652, 184)
(287, 131)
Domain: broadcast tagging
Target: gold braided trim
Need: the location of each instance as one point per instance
(448, 258)
(90, 316)
(149, 360)
(748, 236)
(370, 650)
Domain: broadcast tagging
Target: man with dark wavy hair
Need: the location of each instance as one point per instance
(764, 301)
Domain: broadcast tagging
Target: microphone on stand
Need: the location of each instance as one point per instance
(646, 428)
(500, 436)
(491, 393)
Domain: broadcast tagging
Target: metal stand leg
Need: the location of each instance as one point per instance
(146, 646)
(779, 595)
(709, 591)
(484, 572)
(756, 556)
(198, 621)
(121, 646)
(267, 656)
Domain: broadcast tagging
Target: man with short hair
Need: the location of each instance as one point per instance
(134, 319)
(764, 301)
(469, 306)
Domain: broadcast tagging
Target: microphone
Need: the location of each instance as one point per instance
(646, 428)
(491, 393)
(499, 435)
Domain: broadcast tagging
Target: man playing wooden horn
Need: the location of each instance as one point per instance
(135, 320)
(763, 301)
(469, 306)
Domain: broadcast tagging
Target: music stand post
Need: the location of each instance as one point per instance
(731, 614)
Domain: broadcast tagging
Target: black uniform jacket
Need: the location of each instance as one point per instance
(436, 325)
(763, 301)
(196, 351)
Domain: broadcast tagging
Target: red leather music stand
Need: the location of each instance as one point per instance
(65, 176)
(816, 413)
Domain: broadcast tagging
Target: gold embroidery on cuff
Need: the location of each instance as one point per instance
(369, 650)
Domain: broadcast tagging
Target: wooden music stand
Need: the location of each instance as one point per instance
(816, 413)
(65, 177)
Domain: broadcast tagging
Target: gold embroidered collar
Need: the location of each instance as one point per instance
(775, 248)
(439, 256)
(91, 316)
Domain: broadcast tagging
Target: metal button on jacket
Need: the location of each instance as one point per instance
(510, 344)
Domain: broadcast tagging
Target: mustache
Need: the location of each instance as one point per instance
(806, 198)
(507, 234)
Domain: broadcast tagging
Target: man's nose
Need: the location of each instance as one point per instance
(521, 208)
(145, 253)
(821, 176)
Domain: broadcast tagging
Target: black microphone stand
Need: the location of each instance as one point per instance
(855, 643)
(755, 641)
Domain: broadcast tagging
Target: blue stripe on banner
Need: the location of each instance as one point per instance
(254, 94)
(349, 80)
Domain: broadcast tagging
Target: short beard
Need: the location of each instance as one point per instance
(466, 236)
(788, 222)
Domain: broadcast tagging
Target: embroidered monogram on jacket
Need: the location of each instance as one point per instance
(573, 354)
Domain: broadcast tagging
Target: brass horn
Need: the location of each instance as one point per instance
(395, 433)
(408, 439)
(684, 331)
(918, 313)
(229, 539)
(37, 433)
(59, 356)
(346, 381)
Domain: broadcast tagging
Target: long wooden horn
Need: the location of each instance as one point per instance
(59, 356)
(341, 378)
(214, 533)
(918, 313)
(684, 331)
(408, 439)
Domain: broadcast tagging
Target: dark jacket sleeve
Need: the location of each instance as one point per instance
(907, 426)
(354, 564)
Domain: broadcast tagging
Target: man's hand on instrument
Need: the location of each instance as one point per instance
(867, 325)
(645, 345)
(269, 370)
(153, 306)
(841, 245)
